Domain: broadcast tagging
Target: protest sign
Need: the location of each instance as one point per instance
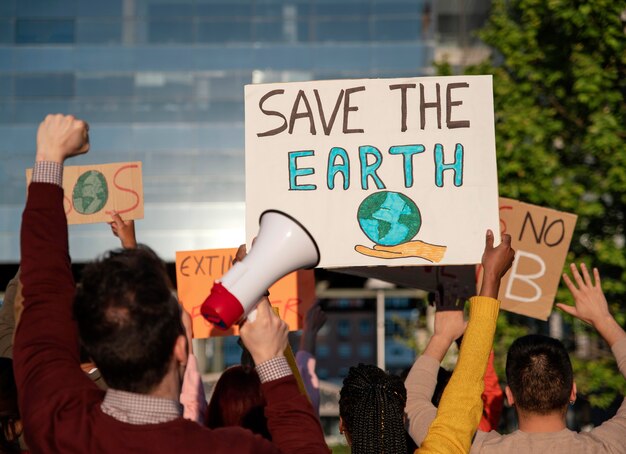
(541, 239)
(381, 172)
(93, 192)
(196, 271)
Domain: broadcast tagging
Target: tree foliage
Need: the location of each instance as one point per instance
(559, 76)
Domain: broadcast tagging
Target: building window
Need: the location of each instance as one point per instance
(323, 351)
(365, 351)
(53, 31)
(343, 327)
(344, 351)
(365, 327)
(44, 85)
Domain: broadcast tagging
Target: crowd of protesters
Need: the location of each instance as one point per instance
(106, 365)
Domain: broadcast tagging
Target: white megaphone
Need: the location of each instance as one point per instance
(283, 245)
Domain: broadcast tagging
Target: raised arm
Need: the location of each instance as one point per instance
(590, 304)
(461, 404)
(591, 307)
(422, 379)
(46, 358)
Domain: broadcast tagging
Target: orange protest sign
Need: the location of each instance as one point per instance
(93, 192)
(196, 271)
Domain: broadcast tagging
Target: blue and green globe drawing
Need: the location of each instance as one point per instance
(389, 218)
(90, 193)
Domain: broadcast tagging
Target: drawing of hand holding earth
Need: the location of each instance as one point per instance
(391, 220)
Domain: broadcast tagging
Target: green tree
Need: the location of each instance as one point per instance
(559, 76)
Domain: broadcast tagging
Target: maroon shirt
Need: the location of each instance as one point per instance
(60, 405)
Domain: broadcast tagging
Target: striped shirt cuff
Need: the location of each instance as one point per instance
(48, 172)
(273, 369)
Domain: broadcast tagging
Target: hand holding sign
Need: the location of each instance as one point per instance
(60, 137)
(496, 262)
(124, 230)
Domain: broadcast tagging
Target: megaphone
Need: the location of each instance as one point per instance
(283, 245)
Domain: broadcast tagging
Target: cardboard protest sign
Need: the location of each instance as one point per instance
(381, 172)
(92, 192)
(541, 239)
(196, 271)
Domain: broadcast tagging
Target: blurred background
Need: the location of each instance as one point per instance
(161, 81)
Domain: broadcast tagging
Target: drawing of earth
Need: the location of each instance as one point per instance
(90, 193)
(389, 218)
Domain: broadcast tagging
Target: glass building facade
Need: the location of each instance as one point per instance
(161, 81)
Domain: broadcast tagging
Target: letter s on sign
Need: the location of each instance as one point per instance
(121, 188)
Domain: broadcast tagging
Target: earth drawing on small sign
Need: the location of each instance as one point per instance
(391, 220)
(90, 193)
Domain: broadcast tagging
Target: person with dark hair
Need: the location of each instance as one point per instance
(461, 404)
(237, 400)
(192, 395)
(371, 411)
(450, 428)
(129, 323)
(541, 385)
(540, 376)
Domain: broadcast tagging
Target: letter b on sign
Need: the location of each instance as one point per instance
(528, 291)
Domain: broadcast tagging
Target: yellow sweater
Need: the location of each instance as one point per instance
(461, 405)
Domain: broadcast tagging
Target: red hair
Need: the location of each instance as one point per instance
(237, 400)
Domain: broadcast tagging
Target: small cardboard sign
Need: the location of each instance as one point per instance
(93, 192)
(389, 172)
(196, 271)
(541, 238)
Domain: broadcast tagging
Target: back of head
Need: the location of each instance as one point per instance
(128, 319)
(371, 405)
(237, 400)
(539, 373)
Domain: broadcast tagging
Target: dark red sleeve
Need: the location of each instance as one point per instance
(290, 418)
(493, 399)
(46, 357)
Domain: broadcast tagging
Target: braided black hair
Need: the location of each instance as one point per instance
(371, 405)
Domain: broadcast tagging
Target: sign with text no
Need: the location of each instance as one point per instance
(196, 271)
(541, 239)
(93, 192)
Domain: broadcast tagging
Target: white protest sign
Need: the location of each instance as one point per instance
(381, 172)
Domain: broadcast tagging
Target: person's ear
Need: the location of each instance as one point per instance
(180, 350)
(509, 396)
(343, 431)
(572, 396)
